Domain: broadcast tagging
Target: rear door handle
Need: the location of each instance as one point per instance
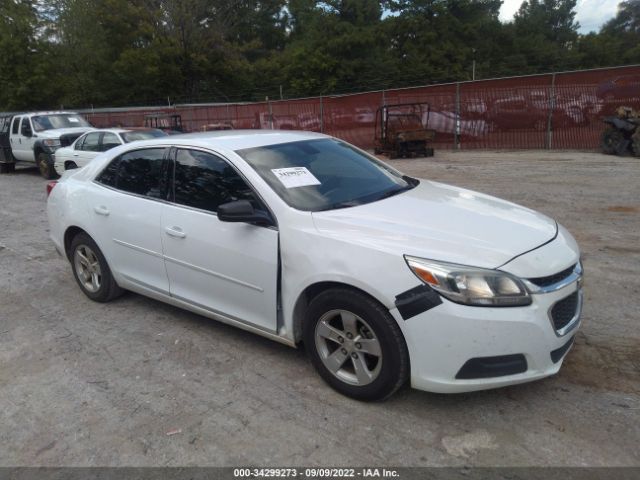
(101, 210)
(175, 232)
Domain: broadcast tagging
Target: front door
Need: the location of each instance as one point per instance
(226, 268)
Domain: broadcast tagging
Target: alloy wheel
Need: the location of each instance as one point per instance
(88, 268)
(348, 347)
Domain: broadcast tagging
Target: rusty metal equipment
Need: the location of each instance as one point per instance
(622, 136)
(401, 130)
(164, 121)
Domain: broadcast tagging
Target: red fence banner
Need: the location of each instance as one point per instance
(558, 110)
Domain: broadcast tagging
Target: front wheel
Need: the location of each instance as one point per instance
(45, 165)
(355, 345)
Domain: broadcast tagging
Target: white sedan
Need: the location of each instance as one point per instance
(92, 144)
(303, 238)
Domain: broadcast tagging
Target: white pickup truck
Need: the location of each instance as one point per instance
(34, 137)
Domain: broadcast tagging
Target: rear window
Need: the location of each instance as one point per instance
(140, 172)
(137, 135)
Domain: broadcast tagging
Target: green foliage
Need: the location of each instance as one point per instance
(78, 53)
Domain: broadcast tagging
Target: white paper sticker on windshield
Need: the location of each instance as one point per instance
(295, 177)
(73, 119)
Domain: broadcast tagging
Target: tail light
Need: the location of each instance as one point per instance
(50, 186)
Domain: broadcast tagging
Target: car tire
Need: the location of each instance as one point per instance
(91, 270)
(355, 344)
(46, 167)
(613, 141)
(7, 167)
(635, 142)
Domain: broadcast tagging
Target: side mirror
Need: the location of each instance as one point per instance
(242, 211)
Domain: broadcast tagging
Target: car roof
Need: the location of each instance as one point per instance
(59, 112)
(241, 139)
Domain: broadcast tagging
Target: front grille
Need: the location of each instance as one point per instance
(564, 310)
(551, 279)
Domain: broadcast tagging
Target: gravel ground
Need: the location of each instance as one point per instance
(140, 383)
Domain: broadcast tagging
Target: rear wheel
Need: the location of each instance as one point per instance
(91, 270)
(45, 165)
(613, 141)
(355, 344)
(635, 142)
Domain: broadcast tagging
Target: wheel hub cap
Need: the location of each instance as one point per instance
(348, 347)
(87, 268)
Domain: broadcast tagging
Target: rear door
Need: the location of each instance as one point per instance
(226, 268)
(18, 147)
(126, 205)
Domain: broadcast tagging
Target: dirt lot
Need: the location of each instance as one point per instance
(88, 384)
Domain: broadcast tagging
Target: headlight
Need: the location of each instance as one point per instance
(52, 143)
(470, 285)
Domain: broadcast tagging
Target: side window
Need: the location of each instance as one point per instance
(91, 142)
(25, 127)
(16, 125)
(139, 172)
(109, 141)
(78, 144)
(205, 181)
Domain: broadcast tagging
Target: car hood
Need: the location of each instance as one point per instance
(58, 132)
(441, 222)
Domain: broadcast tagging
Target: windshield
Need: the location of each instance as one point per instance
(314, 175)
(135, 135)
(58, 120)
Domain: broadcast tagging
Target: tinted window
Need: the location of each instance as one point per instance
(16, 122)
(139, 172)
(109, 141)
(202, 180)
(25, 128)
(91, 143)
(135, 135)
(78, 144)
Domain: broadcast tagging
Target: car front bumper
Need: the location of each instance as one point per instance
(492, 342)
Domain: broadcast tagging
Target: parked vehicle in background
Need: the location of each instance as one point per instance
(270, 121)
(301, 237)
(622, 136)
(170, 123)
(213, 127)
(35, 137)
(91, 144)
(401, 130)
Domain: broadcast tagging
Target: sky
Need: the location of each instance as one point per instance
(591, 14)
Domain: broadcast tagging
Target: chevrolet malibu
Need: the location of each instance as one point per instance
(303, 238)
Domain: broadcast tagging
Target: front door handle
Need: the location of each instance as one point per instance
(75, 154)
(175, 232)
(101, 210)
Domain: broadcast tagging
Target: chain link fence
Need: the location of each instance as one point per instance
(558, 110)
